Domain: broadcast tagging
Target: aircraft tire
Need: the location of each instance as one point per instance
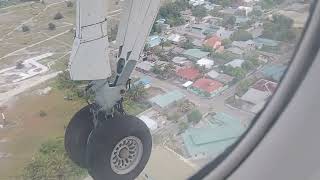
(76, 136)
(119, 148)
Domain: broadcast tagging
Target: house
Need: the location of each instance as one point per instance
(213, 74)
(145, 81)
(187, 84)
(144, 66)
(225, 79)
(195, 54)
(198, 28)
(274, 71)
(241, 20)
(181, 61)
(176, 38)
(246, 9)
(196, 2)
(266, 42)
(213, 42)
(154, 40)
(197, 42)
(255, 96)
(167, 100)
(207, 63)
(177, 50)
(248, 45)
(188, 74)
(207, 87)
(265, 86)
(228, 11)
(222, 131)
(235, 63)
(222, 33)
(255, 31)
(236, 50)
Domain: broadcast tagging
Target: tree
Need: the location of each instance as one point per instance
(58, 16)
(183, 126)
(199, 11)
(241, 35)
(171, 12)
(136, 92)
(280, 28)
(243, 87)
(52, 162)
(224, 3)
(194, 117)
(19, 65)
(247, 66)
(229, 21)
(42, 113)
(25, 28)
(51, 26)
(187, 44)
(69, 4)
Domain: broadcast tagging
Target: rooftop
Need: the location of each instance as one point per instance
(207, 85)
(212, 41)
(274, 71)
(145, 65)
(266, 42)
(208, 63)
(265, 85)
(255, 96)
(154, 40)
(188, 73)
(235, 50)
(195, 53)
(235, 63)
(175, 38)
(214, 139)
(180, 60)
(224, 78)
(213, 74)
(167, 99)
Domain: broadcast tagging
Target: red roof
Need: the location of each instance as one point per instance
(188, 73)
(212, 42)
(265, 85)
(207, 85)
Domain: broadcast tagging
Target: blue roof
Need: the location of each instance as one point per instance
(143, 80)
(266, 42)
(167, 99)
(154, 40)
(274, 71)
(214, 139)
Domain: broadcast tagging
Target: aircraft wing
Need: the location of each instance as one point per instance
(89, 59)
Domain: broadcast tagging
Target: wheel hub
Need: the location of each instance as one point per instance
(126, 155)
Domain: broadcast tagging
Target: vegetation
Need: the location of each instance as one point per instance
(225, 56)
(224, 3)
(164, 71)
(58, 16)
(171, 12)
(183, 126)
(199, 12)
(136, 92)
(69, 4)
(229, 21)
(194, 117)
(238, 73)
(267, 4)
(184, 106)
(72, 88)
(25, 28)
(241, 35)
(42, 113)
(187, 44)
(19, 65)
(280, 28)
(51, 162)
(243, 87)
(51, 26)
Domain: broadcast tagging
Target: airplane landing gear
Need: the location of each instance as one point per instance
(118, 148)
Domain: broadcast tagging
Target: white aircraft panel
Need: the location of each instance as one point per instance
(90, 61)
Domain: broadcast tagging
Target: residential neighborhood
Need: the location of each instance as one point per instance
(217, 63)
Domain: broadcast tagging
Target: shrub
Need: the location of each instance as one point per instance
(42, 113)
(58, 16)
(69, 4)
(25, 28)
(51, 26)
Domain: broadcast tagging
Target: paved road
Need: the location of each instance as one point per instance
(204, 104)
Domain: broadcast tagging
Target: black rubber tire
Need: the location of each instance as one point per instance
(106, 136)
(76, 136)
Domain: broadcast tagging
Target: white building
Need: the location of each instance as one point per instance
(207, 63)
(235, 63)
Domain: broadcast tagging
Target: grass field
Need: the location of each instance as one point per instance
(30, 130)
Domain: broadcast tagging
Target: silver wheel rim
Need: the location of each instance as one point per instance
(126, 155)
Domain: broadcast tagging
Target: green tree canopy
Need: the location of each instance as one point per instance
(241, 35)
(194, 117)
(199, 12)
(52, 162)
